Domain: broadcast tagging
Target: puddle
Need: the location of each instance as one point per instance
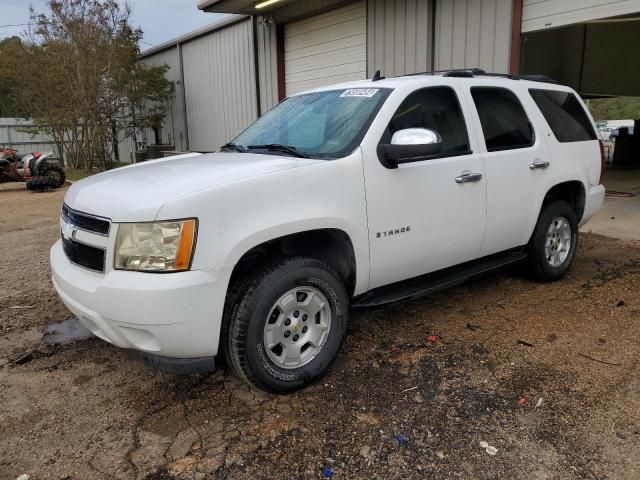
(61, 333)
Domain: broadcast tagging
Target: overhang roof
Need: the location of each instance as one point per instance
(247, 7)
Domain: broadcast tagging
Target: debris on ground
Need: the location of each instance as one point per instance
(620, 303)
(432, 338)
(525, 344)
(401, 439)
(327, 472)
(522, 401)
(365, 451)
(473, 328)
(539, 403)
(490, 449)
(409, 389)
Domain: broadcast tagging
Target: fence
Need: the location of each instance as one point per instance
(13, 135)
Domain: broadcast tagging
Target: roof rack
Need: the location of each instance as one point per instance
(473, 72)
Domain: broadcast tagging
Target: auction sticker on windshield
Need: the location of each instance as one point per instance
(360, 92)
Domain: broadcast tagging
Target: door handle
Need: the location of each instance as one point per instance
(538, 164)
(466, 177)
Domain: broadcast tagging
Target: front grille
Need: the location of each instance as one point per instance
(85, 222)
(84, 255)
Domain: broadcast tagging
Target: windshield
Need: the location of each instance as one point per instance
(328, 124)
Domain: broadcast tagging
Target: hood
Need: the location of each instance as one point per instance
(137, 192)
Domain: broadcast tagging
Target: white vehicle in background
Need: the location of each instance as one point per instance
(351, 195)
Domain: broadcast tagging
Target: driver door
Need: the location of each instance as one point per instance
(422, 216)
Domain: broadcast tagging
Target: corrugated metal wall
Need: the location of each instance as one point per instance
(473, 33)
(13, 135)
(398, 36)
(540, 14)
(173, 130)
(267, 63)
(220, 85)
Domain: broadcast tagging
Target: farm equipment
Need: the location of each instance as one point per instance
(37, 169)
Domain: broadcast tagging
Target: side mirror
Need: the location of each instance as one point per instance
(409, 145)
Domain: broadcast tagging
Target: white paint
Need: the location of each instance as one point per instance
(243, 200)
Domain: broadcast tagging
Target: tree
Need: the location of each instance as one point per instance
(9, 106)
(620, 108)
(79, 77)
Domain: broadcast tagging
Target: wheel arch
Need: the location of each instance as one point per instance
(331, 245)
(571, 191)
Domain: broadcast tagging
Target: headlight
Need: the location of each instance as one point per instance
(155, 246)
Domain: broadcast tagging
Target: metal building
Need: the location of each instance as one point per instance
(227, 74)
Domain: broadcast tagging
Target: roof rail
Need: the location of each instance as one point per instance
(473, 72)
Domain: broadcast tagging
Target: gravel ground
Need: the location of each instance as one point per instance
(547, 375)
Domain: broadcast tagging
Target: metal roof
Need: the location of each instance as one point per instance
(225, 22)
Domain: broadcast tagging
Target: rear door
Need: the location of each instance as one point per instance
(516, 164)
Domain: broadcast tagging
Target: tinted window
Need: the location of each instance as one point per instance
(435, 108)
(504, 122)
(564, 114)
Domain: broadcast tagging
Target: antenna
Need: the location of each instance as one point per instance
(377, 76)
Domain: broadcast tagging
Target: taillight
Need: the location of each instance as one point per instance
(602, 161)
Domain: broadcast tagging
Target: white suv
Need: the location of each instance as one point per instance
(346, 196)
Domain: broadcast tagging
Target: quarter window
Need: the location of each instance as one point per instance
(505, 124)
(434, 108)
(564, 114)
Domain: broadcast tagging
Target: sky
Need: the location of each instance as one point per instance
(160, 20)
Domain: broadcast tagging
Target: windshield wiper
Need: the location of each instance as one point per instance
(276, 147)
(233, 147)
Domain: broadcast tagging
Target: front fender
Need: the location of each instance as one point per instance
(237, 216)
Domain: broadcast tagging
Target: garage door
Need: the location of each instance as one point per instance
(325, 49)
(541, 14)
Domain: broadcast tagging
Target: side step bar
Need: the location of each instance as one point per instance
(440, 280)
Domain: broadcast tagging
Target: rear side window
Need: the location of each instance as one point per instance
(564, 114)
(505, 124)
(435, 108)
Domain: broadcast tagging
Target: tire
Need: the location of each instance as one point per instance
(41, 184)
(53, 171)
(315, 338)
(548, 263)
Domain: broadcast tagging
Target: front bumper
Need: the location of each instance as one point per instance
(176, 315)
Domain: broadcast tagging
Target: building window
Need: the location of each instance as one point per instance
(505, 124)
(564, 114)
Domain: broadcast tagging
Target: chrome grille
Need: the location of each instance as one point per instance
(85, 221)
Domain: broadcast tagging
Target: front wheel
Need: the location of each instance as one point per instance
(288, 326)
(554, 242)
(55, 172)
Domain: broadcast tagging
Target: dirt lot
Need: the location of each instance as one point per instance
(395, 405)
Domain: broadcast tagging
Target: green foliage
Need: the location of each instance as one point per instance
(620, 108)
(9, 104)
(78, 75)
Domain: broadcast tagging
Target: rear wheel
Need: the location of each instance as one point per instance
(288, 325)
(41, 184)
(554, 242)
(55, 172)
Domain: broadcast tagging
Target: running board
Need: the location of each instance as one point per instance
(440, 280)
